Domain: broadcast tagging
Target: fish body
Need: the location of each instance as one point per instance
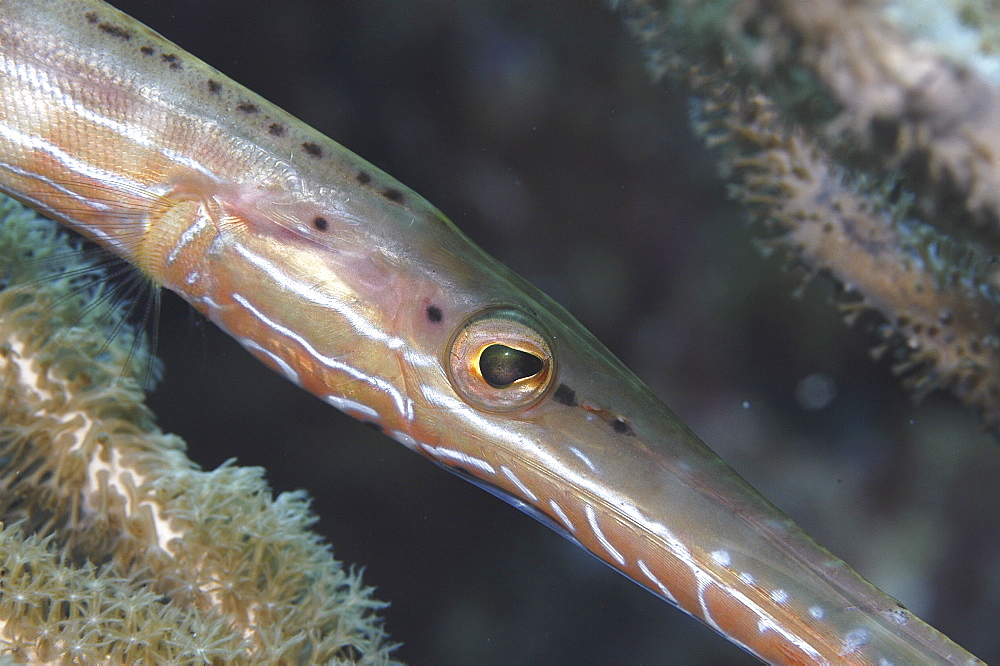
(354, 287)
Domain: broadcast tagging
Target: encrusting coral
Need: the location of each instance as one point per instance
(115, 547)
(823, 113)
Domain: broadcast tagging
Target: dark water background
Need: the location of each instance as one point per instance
(534, 126)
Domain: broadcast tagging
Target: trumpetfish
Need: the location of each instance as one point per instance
(352, 286)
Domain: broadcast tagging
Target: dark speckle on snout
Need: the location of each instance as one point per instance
(392, 194)
(622, 427)
(312, 149)
(115, 30)
(172, 60)
(564, 395)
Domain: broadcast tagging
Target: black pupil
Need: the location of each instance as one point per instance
(501, 365)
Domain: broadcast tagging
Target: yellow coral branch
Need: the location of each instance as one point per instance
(157, 560)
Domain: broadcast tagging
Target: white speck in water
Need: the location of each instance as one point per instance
(816, 391)
(746, 404)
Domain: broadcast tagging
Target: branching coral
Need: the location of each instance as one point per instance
(807, 100)
(115, 547)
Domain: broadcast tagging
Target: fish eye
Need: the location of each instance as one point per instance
(501, 360)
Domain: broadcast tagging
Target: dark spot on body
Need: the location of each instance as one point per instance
(147, 50)
(364, 177)
(320, 223)
(312, 149)
(214, 87)
(564, 395)
(172, 59)
(91, 17)
(621, 427)
(374, 426)
(247, 107)
(115, 31)
(434, 313)
(276, 129)
(392, 194)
